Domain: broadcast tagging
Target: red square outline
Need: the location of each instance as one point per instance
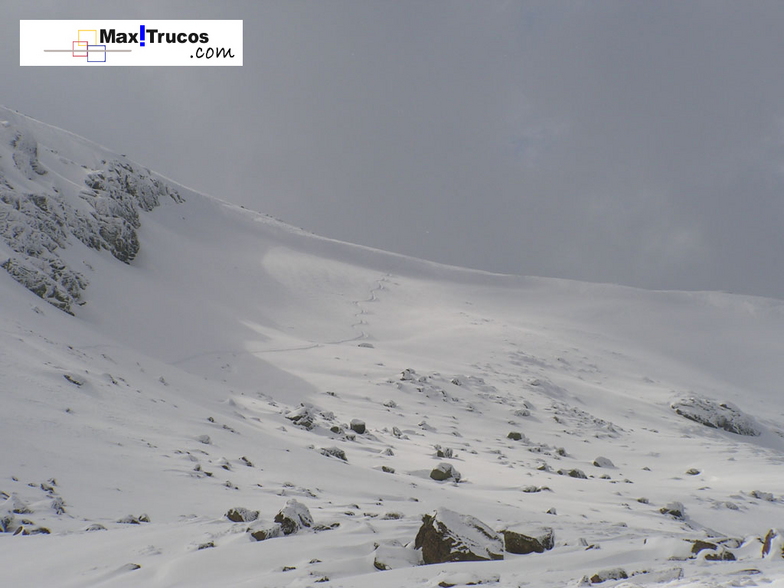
(80, 43)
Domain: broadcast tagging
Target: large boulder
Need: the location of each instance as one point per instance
(447, 536)
(293, 517)
(530, 541)
(445, 471)
(717, 415)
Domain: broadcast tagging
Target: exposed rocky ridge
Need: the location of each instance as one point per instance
(37, 224)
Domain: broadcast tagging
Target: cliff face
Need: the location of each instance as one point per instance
(46, 207)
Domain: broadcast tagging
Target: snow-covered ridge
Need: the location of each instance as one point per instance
(392, 412)
(43, 207)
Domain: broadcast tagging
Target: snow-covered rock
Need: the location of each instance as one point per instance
(717, 415)
(446, 535)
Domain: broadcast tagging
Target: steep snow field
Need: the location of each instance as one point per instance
(176, 391)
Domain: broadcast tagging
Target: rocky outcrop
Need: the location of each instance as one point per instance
(717, 415)
(447, 536)
(293, 517)
(445, 471)
(530, 541)
(38, 219)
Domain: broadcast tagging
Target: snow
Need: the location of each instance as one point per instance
(170, 393)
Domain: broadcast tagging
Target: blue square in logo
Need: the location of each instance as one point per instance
(96, 56)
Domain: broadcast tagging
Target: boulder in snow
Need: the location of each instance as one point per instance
(293, 517)
(674, 509)
(445, 471)
(530, 541)
(717, 415)
(447, 536)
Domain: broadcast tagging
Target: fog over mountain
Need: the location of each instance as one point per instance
(635, 143)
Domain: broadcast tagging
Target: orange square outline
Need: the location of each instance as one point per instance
(80, 31)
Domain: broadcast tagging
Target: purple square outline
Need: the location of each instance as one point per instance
(101, 53)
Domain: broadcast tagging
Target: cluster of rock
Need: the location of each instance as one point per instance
(36, 224)
(16, 513)
(448, 536)
(293, 517)
(717, 415)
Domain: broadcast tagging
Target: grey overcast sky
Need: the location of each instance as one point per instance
(639, 143)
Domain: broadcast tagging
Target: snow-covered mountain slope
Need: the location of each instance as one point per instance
(215, 358)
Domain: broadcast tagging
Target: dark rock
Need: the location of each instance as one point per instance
(242, 515)
(700, 545)
(444, 452)
(446, 536)
(293, 517)
(603, 462)
(674, 509)
(574, 473)
(692, 472)
(387, 469)
(302, 417)
(530, 542)
(261, 533)
(334, 452)
(357, 426)
(612, 574)
(445, 471)
(514, 436)
(721, 555)
(74, 379)
(773, 542)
